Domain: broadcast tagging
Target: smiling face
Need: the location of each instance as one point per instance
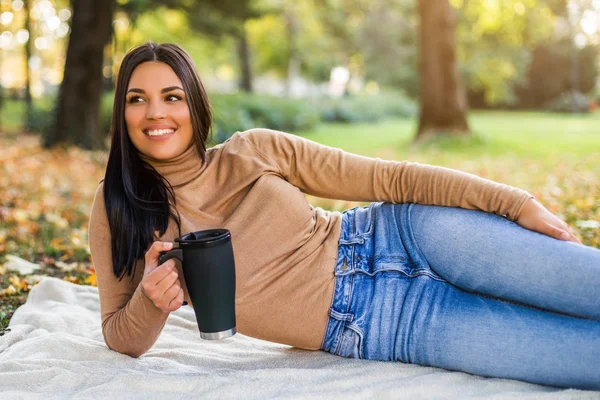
(157, 115)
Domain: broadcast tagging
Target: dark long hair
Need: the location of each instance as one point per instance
(139, 201)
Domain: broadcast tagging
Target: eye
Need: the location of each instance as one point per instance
(173, 97)
(134, 99)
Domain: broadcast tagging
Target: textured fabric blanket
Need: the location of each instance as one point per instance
(55, 349)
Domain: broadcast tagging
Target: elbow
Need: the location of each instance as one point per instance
(127, 350)
(122, 346)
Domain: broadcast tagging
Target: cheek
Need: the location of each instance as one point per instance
(132, 117)
(181, 115)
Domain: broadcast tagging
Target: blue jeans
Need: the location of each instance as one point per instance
(465, 290)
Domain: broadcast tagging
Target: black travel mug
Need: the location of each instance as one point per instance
(209, 272)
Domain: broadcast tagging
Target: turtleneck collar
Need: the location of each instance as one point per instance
(178, 170)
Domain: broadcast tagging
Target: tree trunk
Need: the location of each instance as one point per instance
(245, 63)
(293, 70)
(77, 117)
(443, 96)
(1, 91)
(28, 53)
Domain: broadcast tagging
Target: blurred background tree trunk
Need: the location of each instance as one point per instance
(28, 99)
(79, 98)
(443, 96)
(293, 67)
(245, 62)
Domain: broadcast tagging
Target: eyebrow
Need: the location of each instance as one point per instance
(165, 90)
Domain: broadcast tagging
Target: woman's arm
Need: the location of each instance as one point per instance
(332, 173)
(131, 322)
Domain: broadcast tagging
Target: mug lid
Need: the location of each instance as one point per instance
(205, 238)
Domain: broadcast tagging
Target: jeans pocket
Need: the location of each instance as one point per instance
(350, 344)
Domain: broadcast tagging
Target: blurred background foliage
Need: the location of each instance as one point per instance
(512, 54)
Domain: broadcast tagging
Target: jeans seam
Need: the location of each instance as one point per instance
(412, 236)
(356, 329)
(351, 284)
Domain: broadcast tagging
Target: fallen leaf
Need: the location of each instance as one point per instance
(18, 283)
(91, 280)
(72, 279)
(10, 290)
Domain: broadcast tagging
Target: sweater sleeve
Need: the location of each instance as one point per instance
(332, 173)
(131, 322)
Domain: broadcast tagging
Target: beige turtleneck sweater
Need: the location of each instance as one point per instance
(285, 249)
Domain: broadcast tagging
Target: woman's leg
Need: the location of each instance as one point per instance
(391, 305)
(446, 326)
(443, 326)
(488, 254)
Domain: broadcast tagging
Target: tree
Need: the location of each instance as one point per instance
(495, 44)
(28, 53)
(219, 18)
(292, 27)
(77, 113)
(443, 97)
(215, 18)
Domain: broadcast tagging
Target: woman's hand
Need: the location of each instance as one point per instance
(161, 282)
(535, 217)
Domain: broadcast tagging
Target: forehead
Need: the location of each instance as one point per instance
(153, 75)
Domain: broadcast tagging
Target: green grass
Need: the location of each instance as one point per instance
(11, 116)
(497, 133)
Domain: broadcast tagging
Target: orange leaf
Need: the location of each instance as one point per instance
(72, 279)
(91, 280)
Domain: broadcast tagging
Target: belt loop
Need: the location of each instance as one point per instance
(341, 316)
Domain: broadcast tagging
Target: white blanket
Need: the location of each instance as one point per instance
(55, 349)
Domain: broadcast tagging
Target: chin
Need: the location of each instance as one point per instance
(161, 154)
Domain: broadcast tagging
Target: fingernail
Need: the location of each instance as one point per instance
(166, 245)
(564, 236)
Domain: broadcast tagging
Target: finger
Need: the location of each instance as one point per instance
(574, 238)
(161, 272)
(171, 293)
(168, 279)
(156, 292)
(570, 236)
(153, 254)
(561, 234)
(553, 231)
(177, 302)
(167, 297)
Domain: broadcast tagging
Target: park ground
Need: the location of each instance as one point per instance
(46, 195)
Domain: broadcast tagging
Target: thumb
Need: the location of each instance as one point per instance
(153, 254)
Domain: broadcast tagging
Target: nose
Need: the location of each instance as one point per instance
(155, 110)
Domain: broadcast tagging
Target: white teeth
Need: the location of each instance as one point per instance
(159, 132)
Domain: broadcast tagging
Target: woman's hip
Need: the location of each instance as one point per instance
(377, 264)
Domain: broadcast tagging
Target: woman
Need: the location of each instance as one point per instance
(403, 279)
